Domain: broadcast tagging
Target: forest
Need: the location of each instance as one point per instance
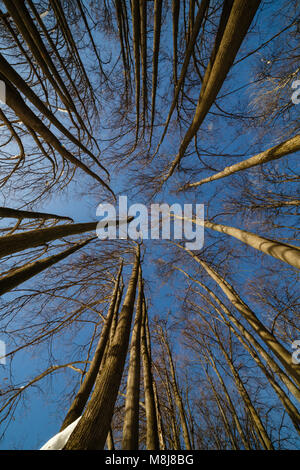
(146, 341)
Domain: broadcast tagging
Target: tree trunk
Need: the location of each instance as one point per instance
(240, 19)
(19, 214)
(152, 439)
(20, 275)
(22, 241)
(130, 439)
(284, 148)
(160, 426)
(261, 431)
(279, 351)
(177, 395)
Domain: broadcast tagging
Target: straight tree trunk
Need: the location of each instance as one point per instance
(222, 413)
(239, 21)
(278, 350)
(10, 244)
(19, 214)
(20, 275)
(284, 148)
(160, 426)
(177, 394)
(261, 431)
(231, 406)
(188, 54)
(130, 440)
(152, 438)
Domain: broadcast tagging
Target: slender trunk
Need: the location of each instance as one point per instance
(222, 412)
(175, 19)
(284, 148)
(19, 214)
(135, 12)
(143, 29)
(177, 394)
(261, 431)
(130, 440)
(152, 439)
(278, 350)
(160, 426)
(20, 275)
(156, 44)
(172, 414)
(231, 406)
(92, 429)
(240, 19)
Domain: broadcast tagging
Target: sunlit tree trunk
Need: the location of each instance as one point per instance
(20, 275)
(280, 150)
(152, 440)
(10, 244)
(160, 426)
(231, 406)
(261, 431)
(130, 440)
(279, 351)
(177, 394)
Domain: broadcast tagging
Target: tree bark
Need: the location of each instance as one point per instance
(20, 275)
(278, 350)
(284, 148)
(130, 440)
(152, 439)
